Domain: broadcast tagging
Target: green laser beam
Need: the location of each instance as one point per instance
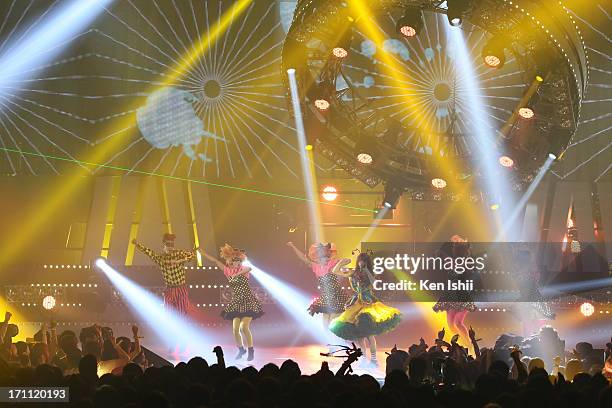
(208, 183)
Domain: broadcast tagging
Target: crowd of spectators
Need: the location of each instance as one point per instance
(103, 371)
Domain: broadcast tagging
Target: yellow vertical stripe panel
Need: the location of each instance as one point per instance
(110, 215)
(190, 211)
(136, 218)
(163, 204)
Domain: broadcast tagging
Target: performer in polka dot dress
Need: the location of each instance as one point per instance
(456, 303)
(322, 259)
(244, 306)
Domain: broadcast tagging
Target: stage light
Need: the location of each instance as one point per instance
(539, 78)
(365, 149)
(493, 53)
(48, 302)
(330, 193)
(321, 104)
(494, 207)
(455, 11)
(392, 196)
(411, 23)
(339, 52)
(308, 147)
(291, 71)
(587, 309)
(506, 161)
(552, 156)
(526, 113)
(364, 158)
(438, 183)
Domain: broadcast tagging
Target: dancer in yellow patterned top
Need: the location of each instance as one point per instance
(365, 316)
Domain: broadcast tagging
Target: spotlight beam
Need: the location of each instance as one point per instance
(307, 168)
(169, 326)
(295, 303)
(525, 198)
(484, 141)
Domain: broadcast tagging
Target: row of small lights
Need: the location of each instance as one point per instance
(61, 304)
(66, 285)
(586, 54)
(486, 309)
(201, 267)
(66, 266)
(208, 286)
(210, 305)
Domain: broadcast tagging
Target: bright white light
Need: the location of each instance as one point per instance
(552, 156)
(506, 161)
(587, 309)
(408, 31)
(291, 71)
(339, 52)
(321, 104)
(48, 302)
(525, 113)
(492, 61)
(365, 158)
(100, 262)
(330, 193)
(438, 183)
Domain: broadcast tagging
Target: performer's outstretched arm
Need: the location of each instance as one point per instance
(299, 253)
(147, 251)
(337, 269)
(219, 264)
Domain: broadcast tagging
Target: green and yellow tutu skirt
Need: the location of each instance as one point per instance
(365, 319)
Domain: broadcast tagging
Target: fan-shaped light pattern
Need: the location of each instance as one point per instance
(428, 92)
(231, 97)
(37, 104)
(224, 116)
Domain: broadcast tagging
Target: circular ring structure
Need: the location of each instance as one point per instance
(543, 51)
